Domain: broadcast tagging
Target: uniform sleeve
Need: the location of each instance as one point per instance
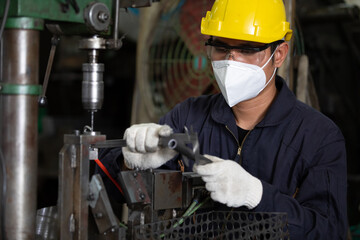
(176, 119)
(319, 209)
(171, 119)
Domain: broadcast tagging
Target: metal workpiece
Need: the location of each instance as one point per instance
(110, 143)
(73, 196)
(19, 113)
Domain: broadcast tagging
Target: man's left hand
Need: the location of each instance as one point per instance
(229, 183)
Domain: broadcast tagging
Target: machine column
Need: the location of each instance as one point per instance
(19, 116)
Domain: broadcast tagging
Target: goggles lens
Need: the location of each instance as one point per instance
(244, 53)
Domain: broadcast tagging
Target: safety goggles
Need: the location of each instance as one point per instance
(218, 50)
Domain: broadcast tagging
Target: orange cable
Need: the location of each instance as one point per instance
(99, 163)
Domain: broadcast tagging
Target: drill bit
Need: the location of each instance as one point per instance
(92, 120)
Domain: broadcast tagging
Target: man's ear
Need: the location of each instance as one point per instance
(280, 54)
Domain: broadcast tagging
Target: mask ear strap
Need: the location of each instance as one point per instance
(268, 81)
(271, 77)
(270, 57)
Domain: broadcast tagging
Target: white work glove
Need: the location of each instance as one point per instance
(142, 149)
(229, 183)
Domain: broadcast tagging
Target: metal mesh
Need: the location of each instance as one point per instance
(218, 225)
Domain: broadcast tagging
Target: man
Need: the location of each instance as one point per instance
(269, 152)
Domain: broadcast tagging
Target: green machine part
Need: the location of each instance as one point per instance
(31, 14)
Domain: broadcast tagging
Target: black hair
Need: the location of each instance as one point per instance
(273, 47)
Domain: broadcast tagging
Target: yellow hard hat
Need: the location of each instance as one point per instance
(261, 21)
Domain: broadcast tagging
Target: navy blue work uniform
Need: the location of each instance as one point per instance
(298, 154)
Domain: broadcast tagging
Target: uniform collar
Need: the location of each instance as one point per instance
(279, 109)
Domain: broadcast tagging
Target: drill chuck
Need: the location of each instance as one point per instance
(92, 86)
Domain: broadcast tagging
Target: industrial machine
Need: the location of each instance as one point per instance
(160, 203)
(151, 196)
(97, 22)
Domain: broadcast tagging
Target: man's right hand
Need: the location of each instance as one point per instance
(142, 149)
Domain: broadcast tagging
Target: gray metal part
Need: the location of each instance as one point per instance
(65, 195)
(93, 19)
(92, 43)
(74, 185)
(170, 190)
(167, 190)
(137, 187)
(162, 189)
(139, 216)
(192, 183)
(19, 114)
(47, 226)
(100, 206)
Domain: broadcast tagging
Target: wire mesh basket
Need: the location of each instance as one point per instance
(218, 225)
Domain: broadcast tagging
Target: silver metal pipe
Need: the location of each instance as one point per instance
(19, 115)
(116, 25)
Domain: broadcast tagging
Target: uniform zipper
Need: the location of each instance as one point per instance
(242, 143)
(239, 149)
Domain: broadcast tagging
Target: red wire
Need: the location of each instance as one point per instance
(99, 163)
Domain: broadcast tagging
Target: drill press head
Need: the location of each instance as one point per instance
(92, 84)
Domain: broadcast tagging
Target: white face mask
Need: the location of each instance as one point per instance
(240, 81)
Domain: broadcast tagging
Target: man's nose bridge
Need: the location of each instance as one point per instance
(230, 54)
